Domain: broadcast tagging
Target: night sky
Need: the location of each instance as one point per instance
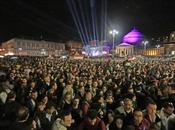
(52, 20)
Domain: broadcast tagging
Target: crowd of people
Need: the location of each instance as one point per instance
(37, 93)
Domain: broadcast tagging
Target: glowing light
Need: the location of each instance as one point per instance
(1, 56)
(20, 49)
(124, 44)
(157, 46)
(104, 52)
(96, 51)
(83, 52)
(63, 57)
(9, 54)
(114, 32)
(133, 37)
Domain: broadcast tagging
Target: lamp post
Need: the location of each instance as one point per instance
(158, 46)
(145, 43)
(113, 33)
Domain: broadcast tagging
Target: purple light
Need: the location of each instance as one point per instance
(96, 51)
(132, 37)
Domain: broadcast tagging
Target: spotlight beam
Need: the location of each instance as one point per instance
(83, 20)
(75, 21)
(102, 21)
(88, 18)
(78, 21)
(96, 27)
(105, 20)
(92, 4)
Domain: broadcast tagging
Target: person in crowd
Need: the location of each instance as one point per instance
(66, 102)
(166, 113)
(48, 117)
(76, 112)
(5, 89)
(92, 122)
(110, 115)
(64, 122)
(23, 122)
(152, 114)
(86, 103)
(110, 103)
(22, 91)
(138, 121)
(11, 107)
(52, 93)
(126, 109)
(117, 124)
(32, 101)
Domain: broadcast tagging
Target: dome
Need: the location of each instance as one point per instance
(133, 37)
(124, 44)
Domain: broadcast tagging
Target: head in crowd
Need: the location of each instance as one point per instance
(119, 122)
(151, 108)
(68, 97)
(40, 107)
(76, 102)
(22, 114)
(128, 104)
(168, 108)
(34, 95)
(66, 118)
(92, 116)
(88, 96)
(138, 116)
(110, 116)
(50, 108)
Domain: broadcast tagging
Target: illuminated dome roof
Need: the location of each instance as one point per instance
(124, 44)
(133, 37)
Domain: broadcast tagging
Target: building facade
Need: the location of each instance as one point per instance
(169, 48)
(154, 52)
(124, 50)
(25, 47)
(74, 45)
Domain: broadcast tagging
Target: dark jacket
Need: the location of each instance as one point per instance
(99, 125)
(27, 125)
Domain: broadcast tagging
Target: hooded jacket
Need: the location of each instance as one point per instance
(58, 125)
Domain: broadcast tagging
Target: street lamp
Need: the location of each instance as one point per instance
(145, 43)
(113, 33)
(158, 46)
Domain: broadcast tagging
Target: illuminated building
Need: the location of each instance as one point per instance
(167, 49)
(154, 52)
(169, 46)
(124, 49)
(25, 47)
